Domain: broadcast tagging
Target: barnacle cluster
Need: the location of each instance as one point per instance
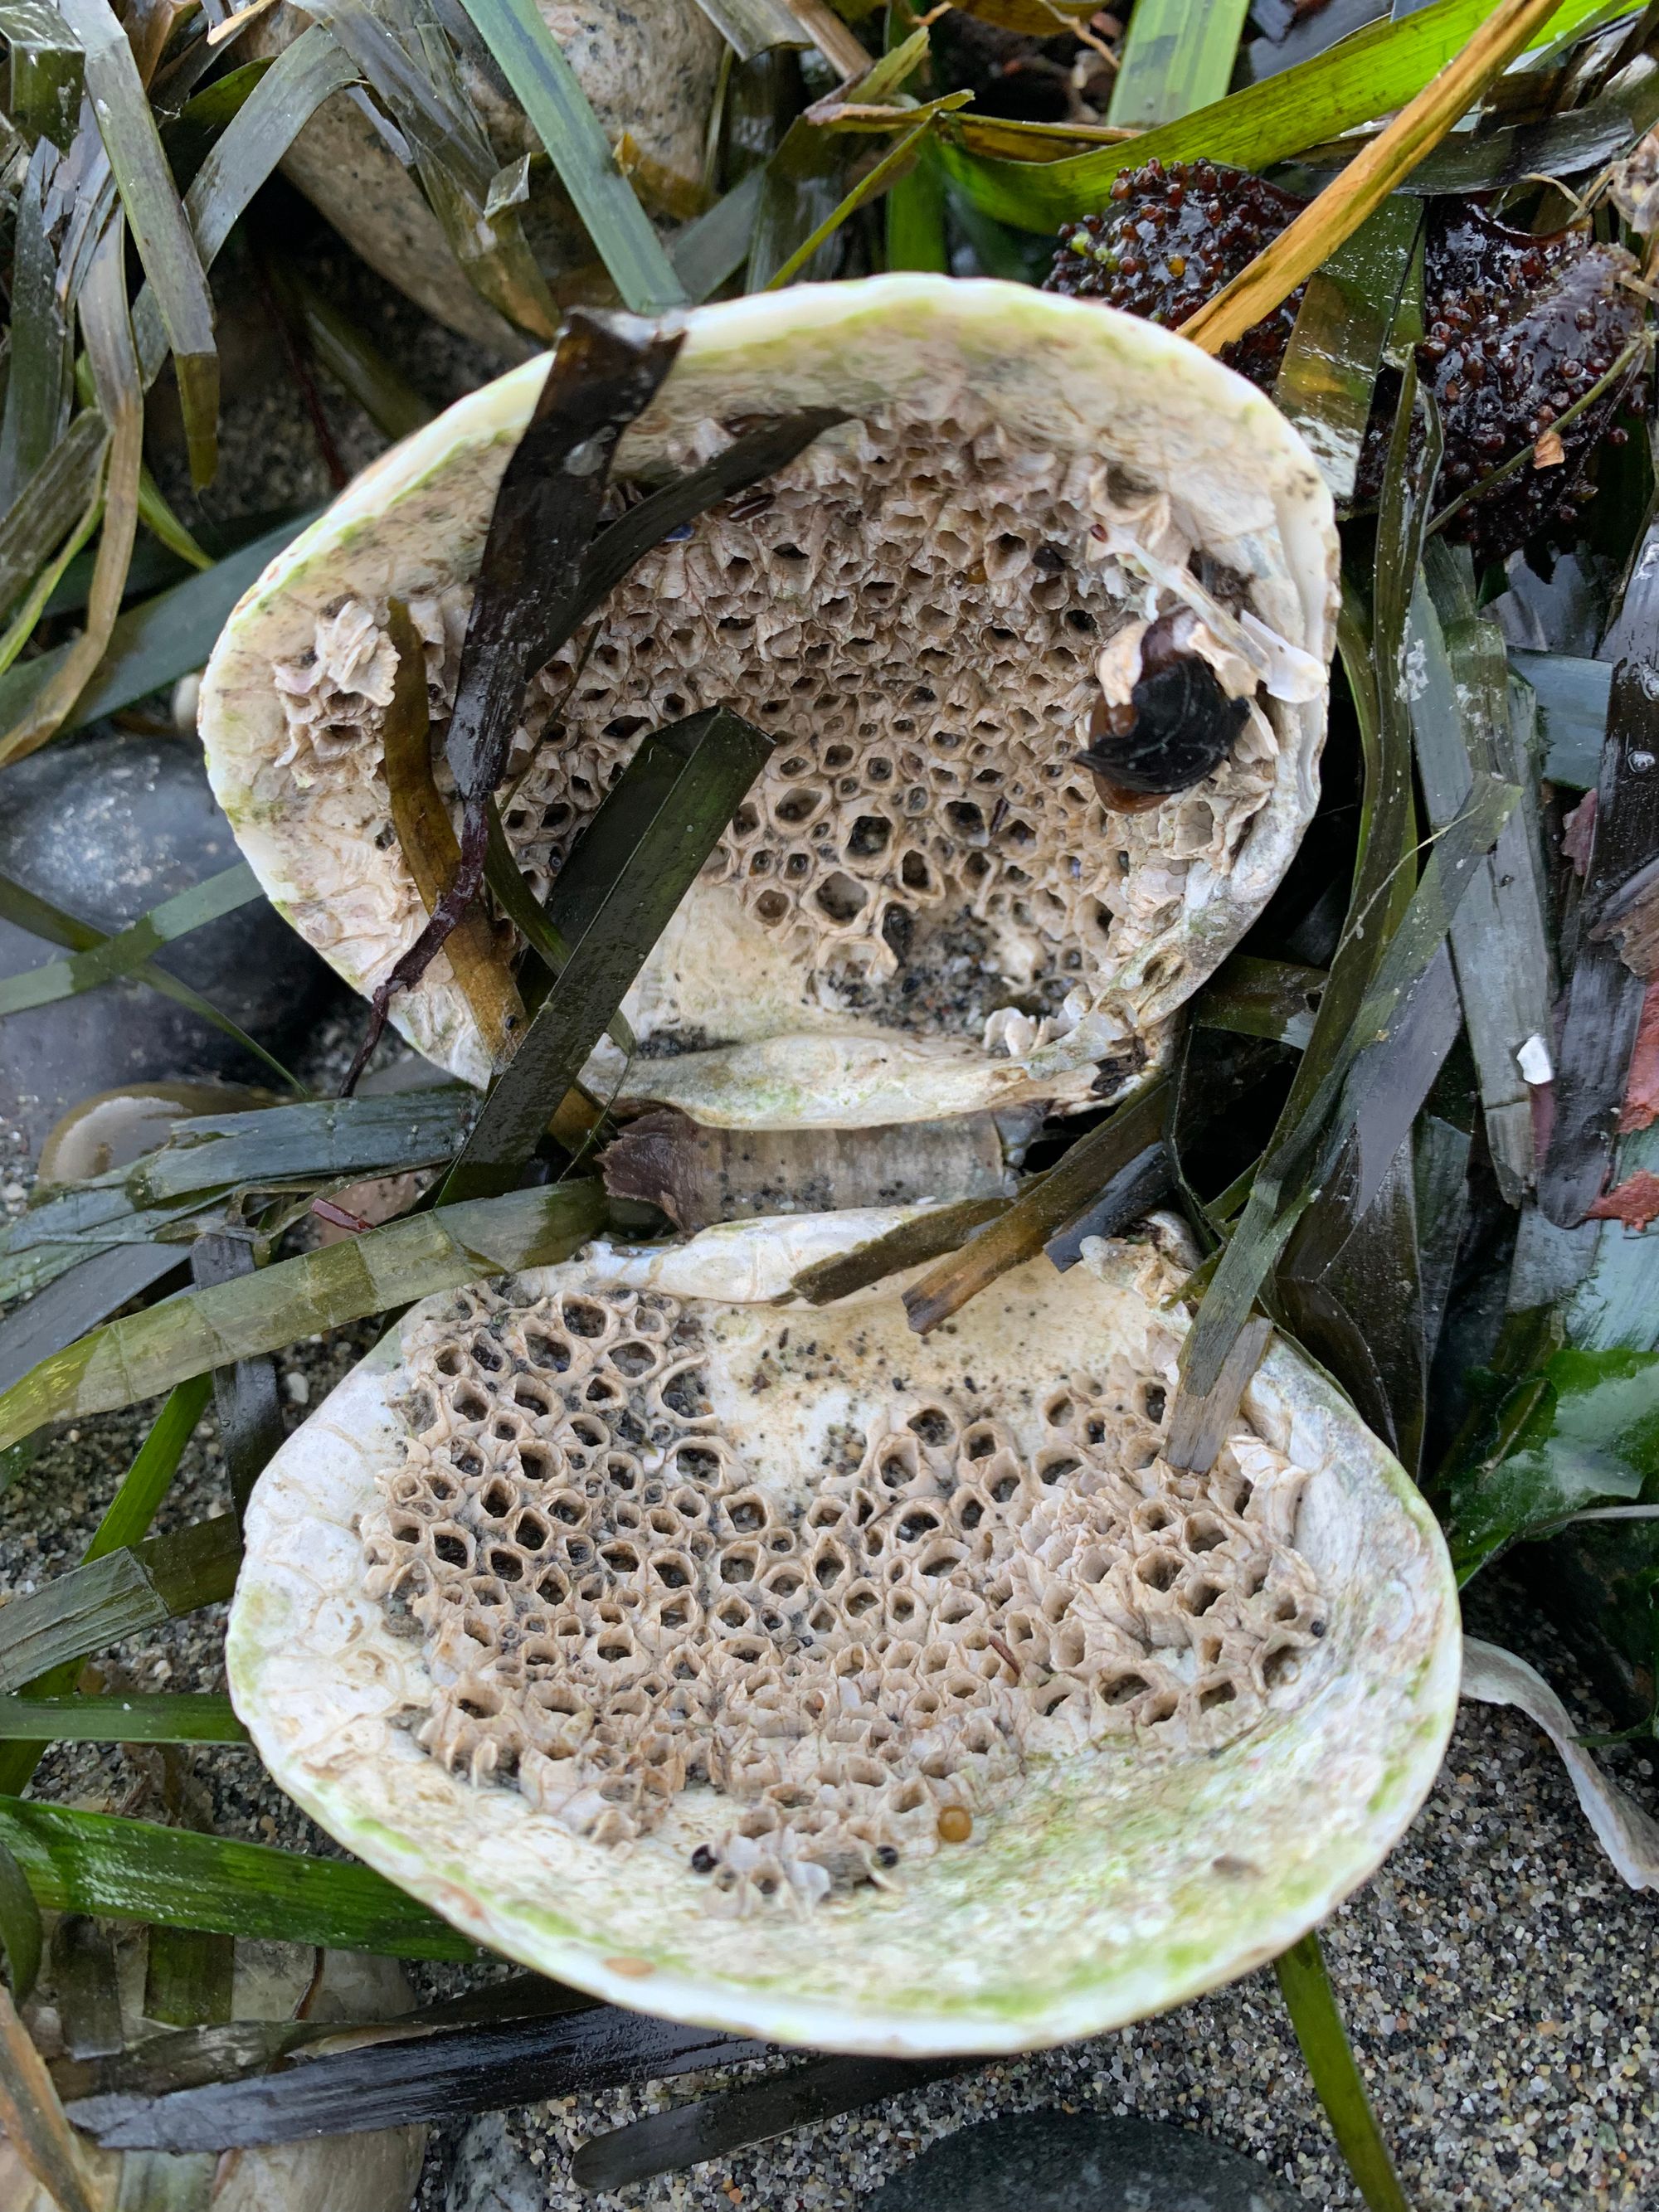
(1518, 327)
(803, 1677)
(917, 610)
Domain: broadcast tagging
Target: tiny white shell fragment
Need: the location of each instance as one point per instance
(1534, 1062)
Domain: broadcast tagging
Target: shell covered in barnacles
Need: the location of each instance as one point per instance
(1519, 327)
(773, 1667)
(925, 609)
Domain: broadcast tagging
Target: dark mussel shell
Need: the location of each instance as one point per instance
(1177, 727)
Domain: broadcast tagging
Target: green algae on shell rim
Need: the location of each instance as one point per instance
(1127, 1848)
(924, 908)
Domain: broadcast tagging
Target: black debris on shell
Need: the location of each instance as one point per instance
(1519, 327)
(1170, 239)
(1177, 727)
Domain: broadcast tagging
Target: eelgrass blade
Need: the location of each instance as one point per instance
(21, 1937)
(27, 910)
(1499, 942)
(33, 2119)
(76, 1293)
(376, 1273)
(1133, 1190)
(1578, 140)
(613, 898)
(714, 2127)
(1603, 998)
(1175, 58)
(81, 1611)
(801, 187)
(758, 453)
(166, 243)
(1366, 1058)
(189, 1975)
(1361, 188)
(125, 1521)
(244, 1392)
(426, 838)
(1328, 374)
(100, 1863)
(153, 644)
(1046, 1205)
(107, 332)
(1252, 997)
(322, 1142)
(39, 387)
(548, 90)
(896, 163)
(48, 69)
(339, 345)
(187, 1717)
(48, 506)
(40, 593)
(408, 61)
(401, 2081)
(1374, 660)
(191, 2058)
(754, 26)
(1368, 75)
(280, 105)
(806, 177)
(84, 1985)
(127, 1518)
(916, 231)
(926, 1236)
(126, 952)
(528, 599)
(1311, 2002)
(714, 247)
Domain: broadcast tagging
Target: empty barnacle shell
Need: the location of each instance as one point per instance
(921, 1714)
(915, 611)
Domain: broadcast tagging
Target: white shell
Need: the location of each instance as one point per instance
(1114, 1881)
(1079, 402)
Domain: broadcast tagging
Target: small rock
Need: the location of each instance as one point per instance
(108, 827)
(1050, 2161)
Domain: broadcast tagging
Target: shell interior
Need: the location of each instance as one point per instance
(924, 905)
(632, 1618)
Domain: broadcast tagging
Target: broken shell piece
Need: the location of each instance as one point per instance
(625, 1615)
(912, 608)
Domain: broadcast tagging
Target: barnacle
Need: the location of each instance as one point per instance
(1519, 326)
(809, 1675)
(925, 609)
(632, 1613)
